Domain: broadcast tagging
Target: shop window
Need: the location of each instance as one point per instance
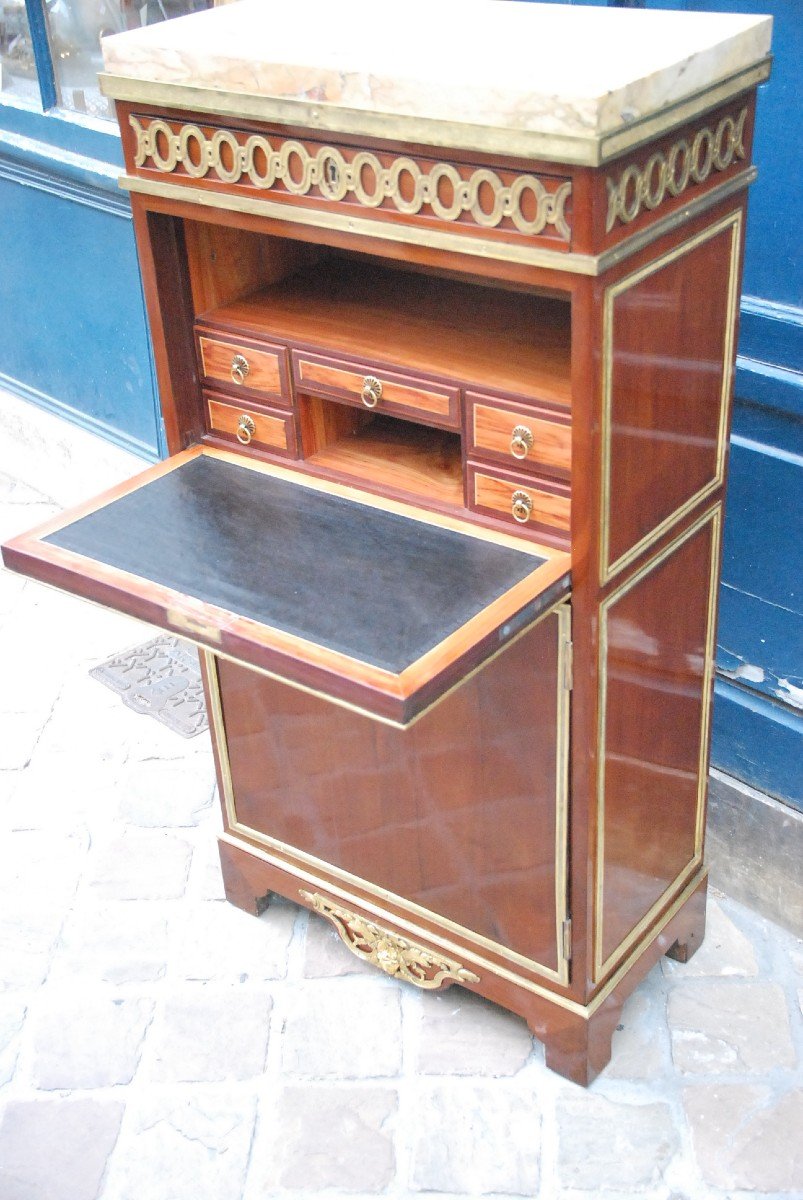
(74, 29)
(17, 63)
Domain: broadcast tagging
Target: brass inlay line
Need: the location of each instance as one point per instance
(603, 964)
(733, 222)
(392, 954)
(672, 173)
(261, 163)
(443, 239)
(584, 1011)
(559, 976)
(589, 150)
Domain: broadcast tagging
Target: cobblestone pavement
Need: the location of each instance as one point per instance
(158, 1044)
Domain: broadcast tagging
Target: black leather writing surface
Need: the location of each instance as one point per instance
(379, 587)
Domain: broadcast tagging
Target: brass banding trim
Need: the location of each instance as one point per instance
(607, 568)
(476, 247)
(565, 1002)
(590, 150)
(559, 976)
(714, 516)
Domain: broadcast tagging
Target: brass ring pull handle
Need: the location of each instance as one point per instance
(245, 429)
(521, 506)
(239, 368)
(371, 392)
(521, 441)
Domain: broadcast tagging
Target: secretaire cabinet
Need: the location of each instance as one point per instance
(445, 366)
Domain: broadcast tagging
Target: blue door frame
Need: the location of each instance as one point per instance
(73, 334)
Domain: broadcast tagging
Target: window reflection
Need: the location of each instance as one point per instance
(17, 66)
(75, 28)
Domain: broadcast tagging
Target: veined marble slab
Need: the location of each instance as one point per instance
(559, 71)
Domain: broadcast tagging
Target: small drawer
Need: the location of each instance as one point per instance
(375, 388)
(521, 500)
(256, 429)
(524, 438)
(256, 369)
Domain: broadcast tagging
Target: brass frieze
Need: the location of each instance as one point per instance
(394, 955)
(670, 174)
(263, 163)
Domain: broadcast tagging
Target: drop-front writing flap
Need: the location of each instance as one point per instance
(364, 600)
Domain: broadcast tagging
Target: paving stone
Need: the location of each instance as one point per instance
(721, 1026)
(86, 1042)
(147, 739)
(21, 732)
(162, 793)
(746, 1138)
(351, 1031)
(215, 940)
(464, 1034)
(12, 1017)
(210, 1034)
(142, 864)
(28, 936)
(37, 863)
(82, 721)
(315, 1138)
(12, 587)
(116, 941)
(53, 794)
(56, 1149)
(187, 1146)
(605, 1143)
(476, 1139)
(725, 949)
(325, 955)
(641, 1041)
(206, 879)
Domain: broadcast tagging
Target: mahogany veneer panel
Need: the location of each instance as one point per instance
(671, 348)
(657, 694)
(491, 338)
(426, 812)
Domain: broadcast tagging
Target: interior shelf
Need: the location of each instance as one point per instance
(483, 336)
(398, 455)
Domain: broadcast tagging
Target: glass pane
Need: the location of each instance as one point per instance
(17, 66)
(76, 27)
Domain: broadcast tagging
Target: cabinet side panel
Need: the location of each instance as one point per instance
(668, 345)
(461, 814)
(656, 643)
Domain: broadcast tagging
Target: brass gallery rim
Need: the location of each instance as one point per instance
(591, 149)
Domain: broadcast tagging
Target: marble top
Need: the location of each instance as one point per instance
(556, 70)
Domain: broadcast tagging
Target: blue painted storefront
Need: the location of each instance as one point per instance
(73, 338)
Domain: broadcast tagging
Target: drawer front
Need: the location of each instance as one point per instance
(253, 369)
(380, 390)
(521, 500)
(251, 427)
(521, 438)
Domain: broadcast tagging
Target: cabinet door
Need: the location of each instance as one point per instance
(365, 601)
(457, 823)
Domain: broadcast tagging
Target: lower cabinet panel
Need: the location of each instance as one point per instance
(656, 668)
(462, 814)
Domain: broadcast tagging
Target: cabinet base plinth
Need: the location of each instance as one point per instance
(577, 1036)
